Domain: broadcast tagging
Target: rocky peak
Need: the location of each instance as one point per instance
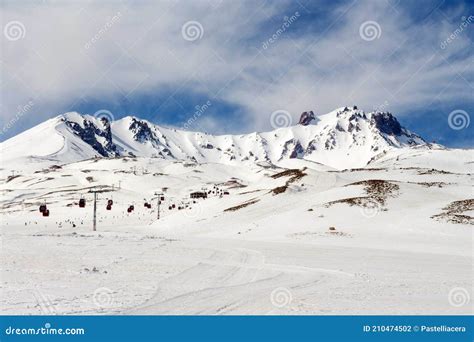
(386, 123)
(306, 118)
(142, 132)
(90, 130)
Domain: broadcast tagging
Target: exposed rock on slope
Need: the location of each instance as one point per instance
(455, 212)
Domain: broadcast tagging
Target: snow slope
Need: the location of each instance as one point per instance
(401, 241)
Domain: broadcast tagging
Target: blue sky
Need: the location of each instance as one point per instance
(160, 60)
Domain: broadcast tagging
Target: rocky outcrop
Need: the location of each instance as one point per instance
(387, 123)
(141, 130)
(89, 133)
(306, 118)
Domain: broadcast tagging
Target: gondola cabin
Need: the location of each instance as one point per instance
(82, 203)
(110, 202)
(46, 212)
(109, 207)
(42, 208)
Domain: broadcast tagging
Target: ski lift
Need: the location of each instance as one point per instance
(82, 203)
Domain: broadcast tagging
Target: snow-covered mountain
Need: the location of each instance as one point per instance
(394, 237)
(343, 138)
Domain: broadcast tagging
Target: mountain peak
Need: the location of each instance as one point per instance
(344, 138)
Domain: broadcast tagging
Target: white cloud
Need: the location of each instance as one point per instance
(74, 49)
